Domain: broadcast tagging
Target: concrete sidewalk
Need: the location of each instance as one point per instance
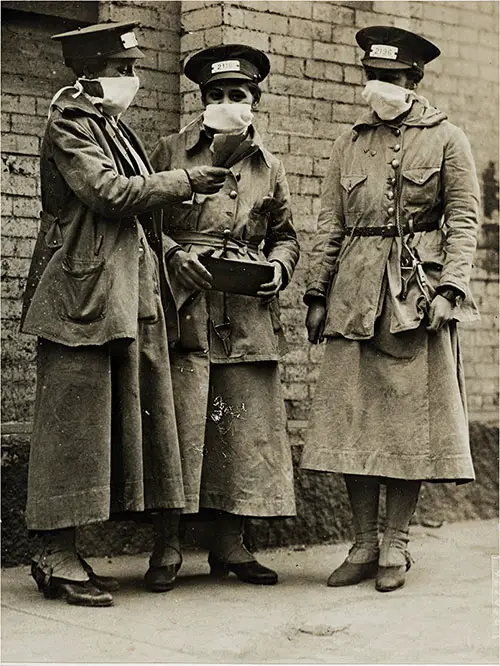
(446, 613)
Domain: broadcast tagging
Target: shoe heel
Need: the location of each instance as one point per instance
(218, 569)
(40, 579)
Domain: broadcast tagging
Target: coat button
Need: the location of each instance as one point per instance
(390, 210)
(233, 194)
(397, 131)
(397, 148)
(395, 164)
(390, 194)
(393, 181)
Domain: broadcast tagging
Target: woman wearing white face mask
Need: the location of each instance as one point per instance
(389, 278)
(104, 438)
(228, 398)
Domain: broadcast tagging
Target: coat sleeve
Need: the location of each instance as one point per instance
(281, 243)
(161, 159)
(329, 232)
(92, 175)
(461, 211)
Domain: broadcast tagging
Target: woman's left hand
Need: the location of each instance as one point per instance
(440, 313)
(268, 290)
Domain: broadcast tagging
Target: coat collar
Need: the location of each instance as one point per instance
(67, 104)
(421, 114)
(195, 133)
(72, 100)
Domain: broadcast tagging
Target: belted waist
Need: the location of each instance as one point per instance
(213, 239)
(391, 230)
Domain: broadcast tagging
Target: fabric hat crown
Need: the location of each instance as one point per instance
(230, 61)
(102, 40)
(387, 47)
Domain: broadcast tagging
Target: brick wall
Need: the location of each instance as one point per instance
(313, 94)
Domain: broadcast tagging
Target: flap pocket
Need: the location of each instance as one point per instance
(350, 182)
(84, 292)
(420, 175)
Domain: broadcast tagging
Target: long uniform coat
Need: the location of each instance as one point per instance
(104, 437)
(390, 400)
(229, 404)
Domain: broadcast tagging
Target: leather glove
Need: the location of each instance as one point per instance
(206, 179)
(315, 321)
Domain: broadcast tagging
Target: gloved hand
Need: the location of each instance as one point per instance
(268, 290)
(440, 313)
(315, 321)
(206, 179)
(187, 269)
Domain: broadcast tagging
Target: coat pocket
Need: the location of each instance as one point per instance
(354, 192)
(84, 294)
(421, 185)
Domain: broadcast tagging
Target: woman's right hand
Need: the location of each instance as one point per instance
(187, 269)
(207, 179)
(315, 321)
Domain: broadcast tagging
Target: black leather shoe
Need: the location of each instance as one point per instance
(107, 583)
(247, 572)
(73, 592)
(161, 579)
(349, 573)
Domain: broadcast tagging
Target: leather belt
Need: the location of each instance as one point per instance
(391, 230)
(213, 239)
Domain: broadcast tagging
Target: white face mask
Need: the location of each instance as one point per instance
(228, 118)
(386, 99)
(117, 92)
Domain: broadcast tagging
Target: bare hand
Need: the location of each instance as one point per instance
(440, 313)
(268, 290)
(207, 179)
(315, 321)
(188, 270)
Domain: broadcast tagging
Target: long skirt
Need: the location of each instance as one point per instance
(231, 421)
(378, 414)
(104, 435)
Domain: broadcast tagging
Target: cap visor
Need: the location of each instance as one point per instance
(133, 52)
(381, 63)
(228, 75)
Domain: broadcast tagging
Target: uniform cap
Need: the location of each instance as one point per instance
(387, 47)
(102, 40)
(229, 61)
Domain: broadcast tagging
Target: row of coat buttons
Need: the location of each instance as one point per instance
(390, 193)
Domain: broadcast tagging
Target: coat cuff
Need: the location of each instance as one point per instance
(286, 264)
(449, 284)
(284, 273)
(313, 295)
